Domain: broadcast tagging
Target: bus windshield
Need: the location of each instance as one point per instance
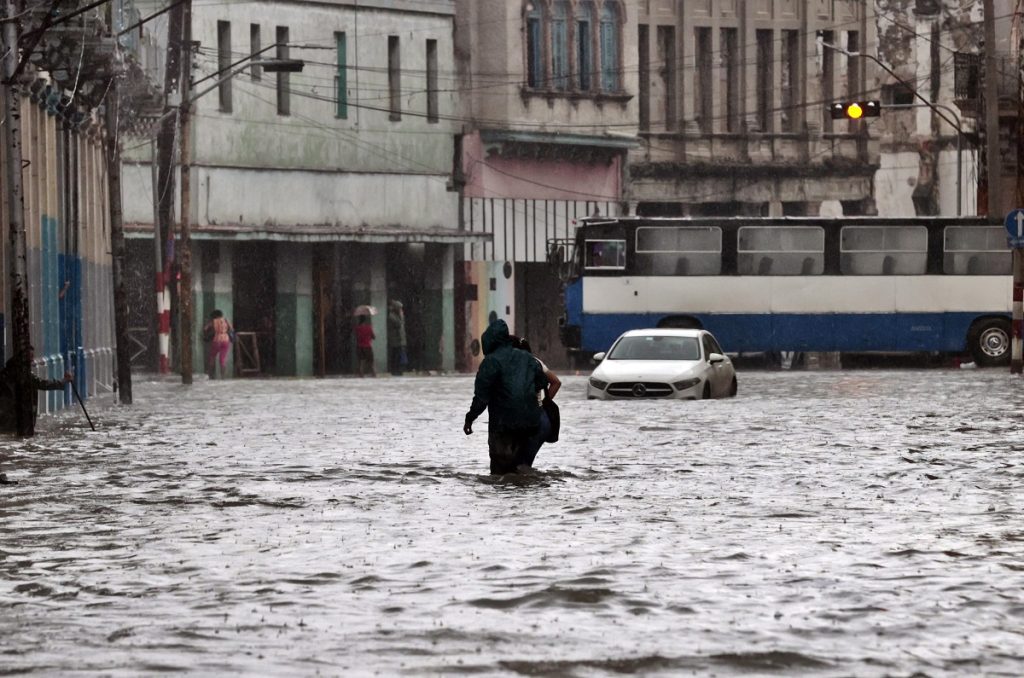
(656, 348)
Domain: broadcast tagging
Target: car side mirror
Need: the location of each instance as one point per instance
(598, 357)
(716, 358)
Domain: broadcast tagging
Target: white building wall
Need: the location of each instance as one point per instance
(254, 166)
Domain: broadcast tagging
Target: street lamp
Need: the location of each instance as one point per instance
(937, 108)
(187, 328)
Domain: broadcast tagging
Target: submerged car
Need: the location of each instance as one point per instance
(663, 363)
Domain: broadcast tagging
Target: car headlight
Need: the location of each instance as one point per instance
(598, 384)
(685, 384)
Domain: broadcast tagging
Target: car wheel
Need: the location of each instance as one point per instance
(707, 391)
(989, 342)
(733, 387)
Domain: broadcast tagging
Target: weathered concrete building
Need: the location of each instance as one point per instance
(929, 158)
(549, 101)
(732, 102)
(319, 191)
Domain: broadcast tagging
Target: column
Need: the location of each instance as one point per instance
(439, 308)
(294, 310)
(214, 290)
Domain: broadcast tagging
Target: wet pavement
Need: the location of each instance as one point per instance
(859, 523)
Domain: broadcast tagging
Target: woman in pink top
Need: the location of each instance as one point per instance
(364, 346)
(219, 332)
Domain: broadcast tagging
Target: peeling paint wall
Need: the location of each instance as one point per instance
(917, 39)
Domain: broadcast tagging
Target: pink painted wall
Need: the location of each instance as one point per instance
(497, 177)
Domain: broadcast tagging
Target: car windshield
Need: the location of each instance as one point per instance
(656, 348)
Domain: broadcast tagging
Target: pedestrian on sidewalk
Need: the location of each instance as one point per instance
(219, 332)
(364, 346)
(506, 386)
(397, 356)
(10, 396)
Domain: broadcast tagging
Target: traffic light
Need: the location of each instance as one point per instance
(855, 110)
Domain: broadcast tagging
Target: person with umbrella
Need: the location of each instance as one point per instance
(364, 339)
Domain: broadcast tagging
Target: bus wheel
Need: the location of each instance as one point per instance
(733, 388)
(707, 391)
(989, 342)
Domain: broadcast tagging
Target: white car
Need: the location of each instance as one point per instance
(663, 363)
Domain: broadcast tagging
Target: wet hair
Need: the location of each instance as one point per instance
(217, 313)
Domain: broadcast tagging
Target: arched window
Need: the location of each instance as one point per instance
(560, 44)
(611, 60)
(534, 44)
(584, 44)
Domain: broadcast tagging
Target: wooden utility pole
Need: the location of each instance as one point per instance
(186, 329)
(16, 221)
(124, 355)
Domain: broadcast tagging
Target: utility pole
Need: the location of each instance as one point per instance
(993, 164)
(163, 226)
(16, 221)
(113, 114)
(185, 333)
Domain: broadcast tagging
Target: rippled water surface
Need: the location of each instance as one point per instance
(822, 523)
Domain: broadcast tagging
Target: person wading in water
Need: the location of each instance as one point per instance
(506, 385)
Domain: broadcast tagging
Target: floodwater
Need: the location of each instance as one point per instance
(861, 523)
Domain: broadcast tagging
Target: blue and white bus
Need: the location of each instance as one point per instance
(849, 284)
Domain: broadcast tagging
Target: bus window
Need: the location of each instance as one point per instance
(605, 254)
(976, 250)
(883, 250)
(663, 250)
(781, 250)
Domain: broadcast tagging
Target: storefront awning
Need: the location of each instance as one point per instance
(315, 233)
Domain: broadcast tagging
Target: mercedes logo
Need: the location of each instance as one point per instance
(639, 390)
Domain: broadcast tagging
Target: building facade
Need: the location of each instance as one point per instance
(732, 103)
(549, 114)
(319, 191)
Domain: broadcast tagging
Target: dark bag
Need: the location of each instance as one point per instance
(231, 334)
(554, 417)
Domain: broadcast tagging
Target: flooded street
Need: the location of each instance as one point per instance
(828, 523)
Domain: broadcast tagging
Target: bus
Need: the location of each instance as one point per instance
(800, 284)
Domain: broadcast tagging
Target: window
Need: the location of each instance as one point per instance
(704, 92)
(828, 76)
(790, 81)
(534, 44)
(731, 67)
(610, 61)
(394, 78)
(432, 107)
(897, 94)
(976, 250)
(604, 254)
(569, 41)
(765, 80)
(584, 45)
(781, 250)
(224, 64)
(883, 250)
(560, 44)
(667, 57)
(644, 73)
(255, 72)
(284, 101)
(655, 347)
(341, 77)
(679, 250)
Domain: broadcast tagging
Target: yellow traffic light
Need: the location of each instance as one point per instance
(855, 110)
